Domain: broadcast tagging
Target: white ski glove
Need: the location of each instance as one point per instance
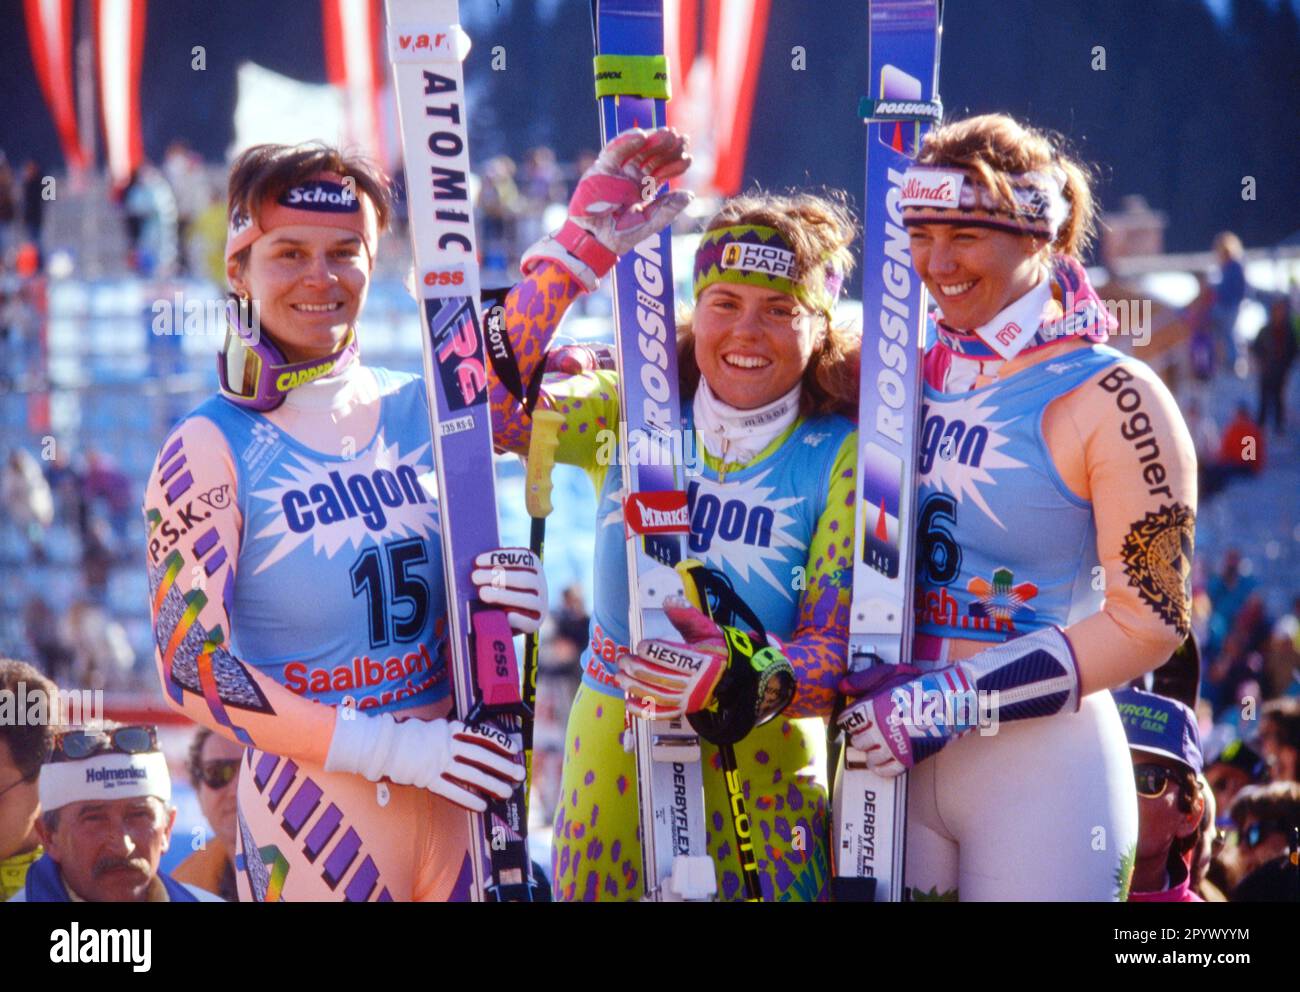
(513, 579)
(614, 207)
(446, 757)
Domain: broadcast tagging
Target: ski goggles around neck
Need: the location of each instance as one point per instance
(74, 745)
(255, 374)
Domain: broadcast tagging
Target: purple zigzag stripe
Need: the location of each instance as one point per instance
(179, 488)
(1042, 706)
(364, 880)
(172, 448)
(303, 804)
(384, 895)
(321, 833)
(215, 562)
(264, 769)
(287, 774)
(341, 858)
(204, 544)
(172, 469)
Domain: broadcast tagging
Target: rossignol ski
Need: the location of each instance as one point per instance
(426, 45)
(631, 88)
(870, 812)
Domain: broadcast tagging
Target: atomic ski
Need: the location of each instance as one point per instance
(631, 88)
(426, 45)
(870, 812)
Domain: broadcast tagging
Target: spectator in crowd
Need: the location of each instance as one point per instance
(1266, 817)
(33, 201)
(151, 221)
(1199, 318)
(1209, 842)
(184, 172)
(214, 770)
(1227, 590)
(68, 486)
(105, 481)
(1274, 881)
(107, 820)
(1282, 659)
(26, 498)
(1205, 433)
(498, 207)
(1241, 453)
(24, 744)
(1166, 748)
(1241, 658)
(571, 619)
(1237, 766)
(1274, 350)
(1279, 738)
(1229, 291)
(47, 634)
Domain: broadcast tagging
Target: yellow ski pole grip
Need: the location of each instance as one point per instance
(686, 568)
(541, 459)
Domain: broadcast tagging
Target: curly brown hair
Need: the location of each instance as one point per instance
(268, 170)
(992, 145)
(821, 229)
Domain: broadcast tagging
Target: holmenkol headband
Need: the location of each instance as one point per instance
(105, 776)
(944, 195)
(752, 255)
(324, 200)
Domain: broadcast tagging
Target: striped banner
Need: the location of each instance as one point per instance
(119, 50)
(49, 34)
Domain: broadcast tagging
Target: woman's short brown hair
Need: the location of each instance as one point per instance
(821, 230)
(268, 170)
(993, 145)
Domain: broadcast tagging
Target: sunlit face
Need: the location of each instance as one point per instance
(1160, 820)
(20, 804)
(752, 344)
(219, 805)
(973, 272)
(109, 851)
(310, 283)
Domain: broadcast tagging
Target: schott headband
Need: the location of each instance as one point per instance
(942, 195)
(324, 200)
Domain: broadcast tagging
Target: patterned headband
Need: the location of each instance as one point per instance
(939, 195)
(752, 255)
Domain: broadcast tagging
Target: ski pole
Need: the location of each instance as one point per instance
(697, 594)
(537, 498)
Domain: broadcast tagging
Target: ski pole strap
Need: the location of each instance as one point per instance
(502, 355)
(632, 75)
(882, 111)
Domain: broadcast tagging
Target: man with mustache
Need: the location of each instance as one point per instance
(106, 796)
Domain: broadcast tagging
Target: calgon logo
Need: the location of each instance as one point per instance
(380, 493)
(961, 449)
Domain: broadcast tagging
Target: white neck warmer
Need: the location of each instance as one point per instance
(1018, 322)
(737, 436)
(330, 393)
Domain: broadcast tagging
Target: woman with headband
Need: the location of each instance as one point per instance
(295, 569)
(765, 382)
(1056, 510)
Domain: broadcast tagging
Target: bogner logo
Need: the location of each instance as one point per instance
(657, 513)
(767, 259)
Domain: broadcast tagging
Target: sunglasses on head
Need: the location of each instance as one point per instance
(1152, 780)
(219, 774)
(74, 745)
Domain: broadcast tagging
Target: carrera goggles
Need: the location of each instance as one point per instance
(74, 745)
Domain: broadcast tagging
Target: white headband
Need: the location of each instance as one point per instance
(102, 777)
